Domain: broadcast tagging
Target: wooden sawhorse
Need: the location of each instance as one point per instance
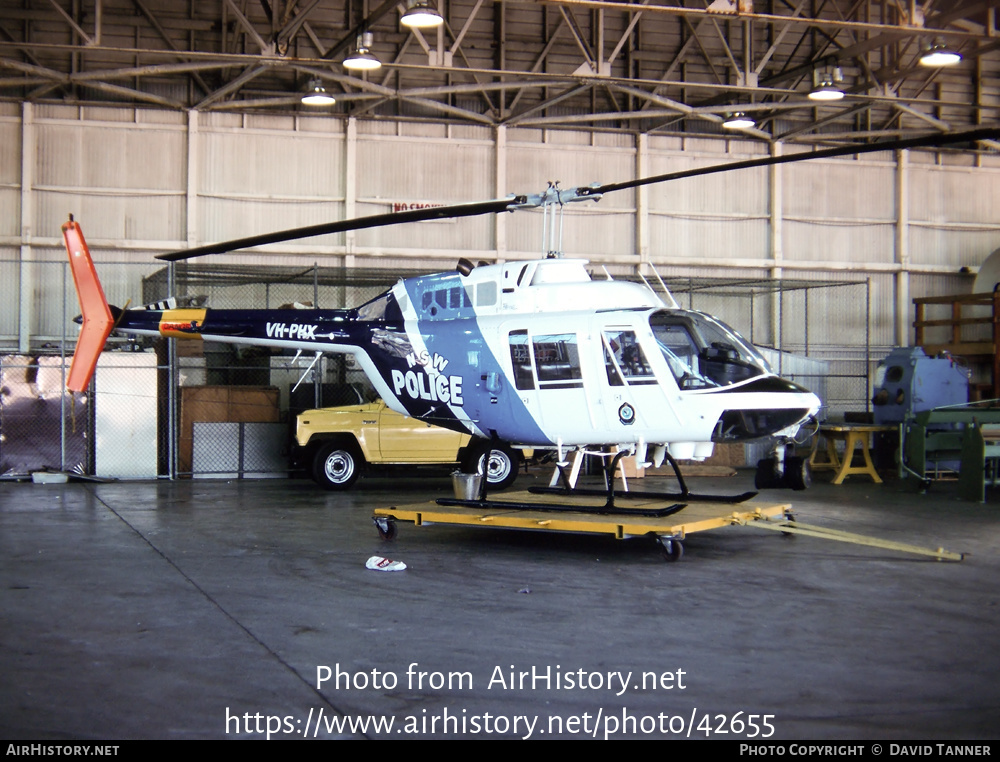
(852, 435)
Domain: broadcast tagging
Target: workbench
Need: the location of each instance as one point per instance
(852, 435)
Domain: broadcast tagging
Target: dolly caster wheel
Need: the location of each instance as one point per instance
(673, 549)
(386, 528)
(789, 518)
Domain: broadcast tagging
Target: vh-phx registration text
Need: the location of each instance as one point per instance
(602, 722)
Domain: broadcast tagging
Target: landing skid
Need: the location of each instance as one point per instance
(685, 495)
(610, 507)
(574, 506)
(603, 510)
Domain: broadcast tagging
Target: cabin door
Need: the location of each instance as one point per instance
(549, 380)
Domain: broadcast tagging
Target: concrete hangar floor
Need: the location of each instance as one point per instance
(213, 609)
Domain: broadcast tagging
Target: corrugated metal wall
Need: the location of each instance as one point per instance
(712, 219)
(429, 168)
(10, 170)
(123, 178)
(259, 174)
(142, 181)
(839, 212)
(953, 215)
(601, 231)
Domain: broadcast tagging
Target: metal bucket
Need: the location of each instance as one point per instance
(466, 486)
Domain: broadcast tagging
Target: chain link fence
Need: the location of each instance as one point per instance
(40, 427)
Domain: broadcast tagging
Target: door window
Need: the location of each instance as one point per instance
(557, 360)
(624, 360)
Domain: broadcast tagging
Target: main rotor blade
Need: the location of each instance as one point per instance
(509, 204)
(938, 139)
(358, 223)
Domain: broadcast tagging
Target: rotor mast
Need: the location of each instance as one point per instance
(553, 202)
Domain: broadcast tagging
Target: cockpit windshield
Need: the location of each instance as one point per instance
(702, 352)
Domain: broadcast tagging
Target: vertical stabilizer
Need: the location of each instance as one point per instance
(97, 318)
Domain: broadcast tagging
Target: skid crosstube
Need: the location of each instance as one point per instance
(569, 489)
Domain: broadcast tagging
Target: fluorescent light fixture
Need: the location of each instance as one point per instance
(825, 84)
(317, 95)
(420, 15)
(938, 55)
(738, 121)
(362, 59)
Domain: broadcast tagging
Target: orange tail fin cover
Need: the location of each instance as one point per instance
(97, 319)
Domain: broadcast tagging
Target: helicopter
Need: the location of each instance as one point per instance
(532, 354)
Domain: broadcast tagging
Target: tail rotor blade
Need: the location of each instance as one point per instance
(98, 321)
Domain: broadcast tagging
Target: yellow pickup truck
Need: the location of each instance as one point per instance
(338, 443)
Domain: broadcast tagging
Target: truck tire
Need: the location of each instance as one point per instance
(497, 459)
(336, 466)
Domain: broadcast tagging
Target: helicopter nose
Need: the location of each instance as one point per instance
(768, 384)
(742, 425)
(793, 386)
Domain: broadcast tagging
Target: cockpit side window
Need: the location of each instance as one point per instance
(681, 353)
(703, 352)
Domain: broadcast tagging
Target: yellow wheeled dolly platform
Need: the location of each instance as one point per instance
(669, 530)
(627, 520)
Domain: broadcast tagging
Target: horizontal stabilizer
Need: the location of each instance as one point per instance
(98, 321)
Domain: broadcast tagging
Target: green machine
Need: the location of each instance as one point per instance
(962, 434)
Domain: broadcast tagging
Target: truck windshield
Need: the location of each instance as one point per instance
(703, 352)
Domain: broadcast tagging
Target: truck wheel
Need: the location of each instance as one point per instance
(337, 466)
(497, 459)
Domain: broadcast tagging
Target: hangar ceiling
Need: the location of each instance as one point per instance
(652, 66)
